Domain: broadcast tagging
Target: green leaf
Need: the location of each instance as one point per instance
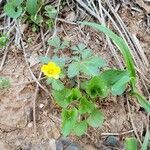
(142, 100)
(85, 106)
(4, 83)
(55, 42)
(12, 9)
(80, 128)
(64, 44)
(97, 87)
(73, 70)
(76, 58)
(96, 118)
(50, 11)
(146, 141)
(60, 61)
(75, 94)
(32, 7)
(97, 61)
(111, 76)
(121, 44)
(60, 97)
(86, 53)
(119, 87)
(44, 59)
(49, 80)
(37, 19)
(15, 2)
(83, 85)
(79, 47)
(69, 117)
(57, 85)
(92, 65)
(116, 80)
(3, 41)
(130, 144)
(50, 23)
(89, 69)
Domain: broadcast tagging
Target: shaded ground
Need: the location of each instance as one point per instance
(16, 121)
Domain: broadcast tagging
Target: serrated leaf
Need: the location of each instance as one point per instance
(130, 144)
(60, 97)
(57, 85)
(51, 12)
(73, 70)
(44, 59)
(97, 61)
(60, 61)
(119, 87)
(92, 65)
(97, 87)
(86, 53)
(96, 118)
(85, 106)
(64, 44)
(80, 128)
(55, 42)
(32, 7)
(79, 47)
(89, 69)
(111, 76)
(13, 10)
(69, 118)
(142, 101)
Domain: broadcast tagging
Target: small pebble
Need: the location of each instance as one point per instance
(41, 105)
(30, 125)
(111, 141)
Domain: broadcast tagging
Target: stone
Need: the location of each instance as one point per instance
(111, 141)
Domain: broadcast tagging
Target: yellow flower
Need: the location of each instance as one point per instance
(51, 70)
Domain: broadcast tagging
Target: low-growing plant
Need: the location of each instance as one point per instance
(31, 11)
(78, 107)
(3, 40)
(4, 83)
(92, 80)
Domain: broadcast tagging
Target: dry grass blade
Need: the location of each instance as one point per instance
(128, 36)
(132, 122)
